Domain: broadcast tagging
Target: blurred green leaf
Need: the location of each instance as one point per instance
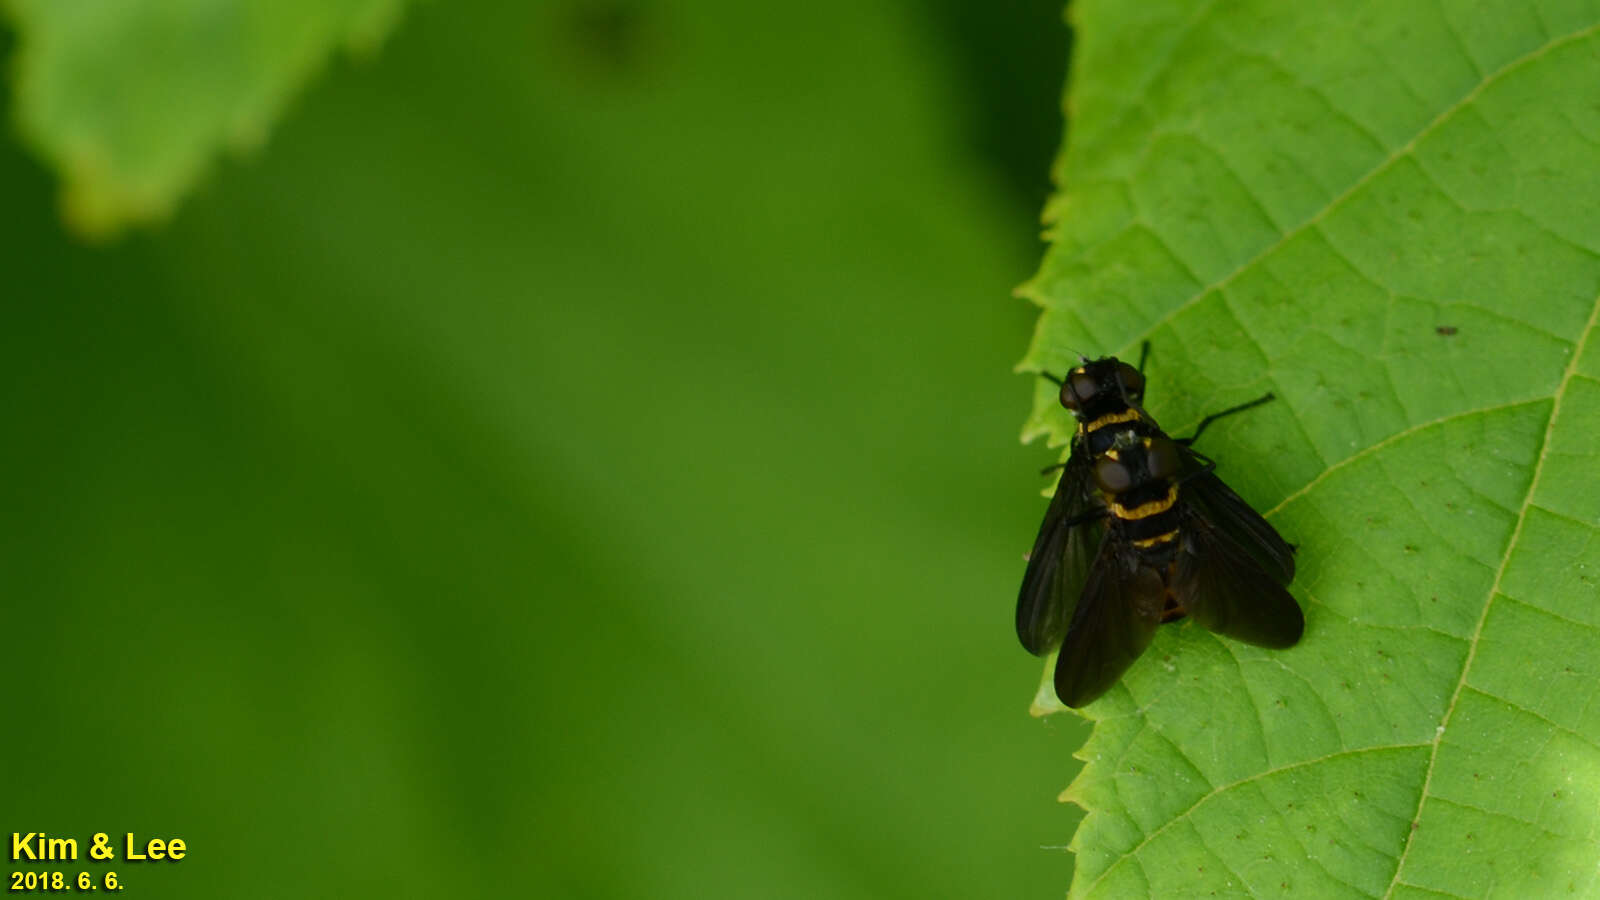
(1386, 215)
(130, 100)
(574, 461)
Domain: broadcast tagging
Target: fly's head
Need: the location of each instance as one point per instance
(1101, 386)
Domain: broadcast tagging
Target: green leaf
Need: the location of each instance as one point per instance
(1387, 215)
(130, 100)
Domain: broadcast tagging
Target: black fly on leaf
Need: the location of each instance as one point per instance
(1140, 532)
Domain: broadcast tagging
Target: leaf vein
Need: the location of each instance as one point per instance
(1565, 517)
(1505, 560)
(1583, 738)
(1418, 887)
(1496, 814)
(1399, 153)
(1159, 71)
(1306, 851)
(1455, 35)
(1393, 438)
(1258, 776)
(1588, 626)
(1244, 684)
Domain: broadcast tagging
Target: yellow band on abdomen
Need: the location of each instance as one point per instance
(1147, 543)
(1146, 510)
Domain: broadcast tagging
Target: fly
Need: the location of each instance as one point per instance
(1141, 531)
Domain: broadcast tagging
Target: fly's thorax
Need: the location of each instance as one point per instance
(1112, 429)
(1138, 480)
(1137, 469)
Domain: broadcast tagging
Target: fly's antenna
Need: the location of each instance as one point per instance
(1057, 381)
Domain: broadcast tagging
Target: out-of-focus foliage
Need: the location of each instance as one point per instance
(1384, 214)
(574, 458)
(131, 100)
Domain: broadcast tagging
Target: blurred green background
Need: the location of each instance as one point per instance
(576, 456)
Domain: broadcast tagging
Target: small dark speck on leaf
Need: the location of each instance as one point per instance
(1445, 330)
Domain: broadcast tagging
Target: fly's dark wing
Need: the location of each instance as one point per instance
(1060, 560)
(1226, 590)
(1113, 623)
(1227, 512)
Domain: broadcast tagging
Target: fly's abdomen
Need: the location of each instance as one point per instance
(1148, 518)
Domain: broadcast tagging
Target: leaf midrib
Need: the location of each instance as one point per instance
(1494, 588)
(1395, 156)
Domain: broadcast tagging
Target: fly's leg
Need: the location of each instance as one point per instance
(1227, 412)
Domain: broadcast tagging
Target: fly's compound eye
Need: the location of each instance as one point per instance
(1132, 380)
(1111, 476)
(1077, 389)
(1161, 458)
